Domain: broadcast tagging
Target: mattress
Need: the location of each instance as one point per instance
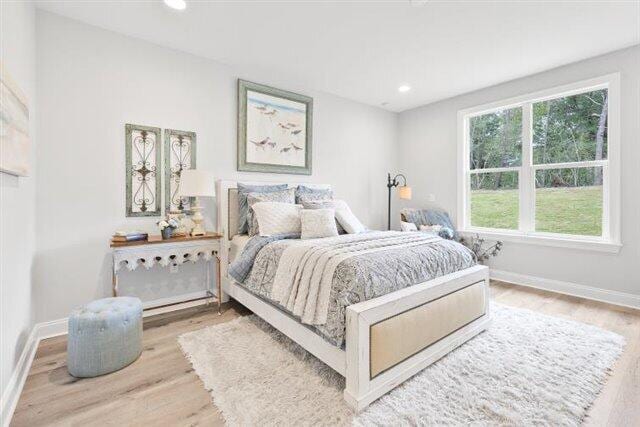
(238, 243)
(364, 276)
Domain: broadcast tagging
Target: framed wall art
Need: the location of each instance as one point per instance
(15, 144)
(179, 154)
(274, 130)
(143, 176)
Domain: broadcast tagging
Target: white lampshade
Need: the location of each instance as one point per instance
(196, 183)
(405, 192)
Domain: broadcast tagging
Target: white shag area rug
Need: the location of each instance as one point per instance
(526, 369)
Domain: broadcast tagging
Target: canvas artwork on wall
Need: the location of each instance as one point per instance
(274, 130)
(15, 144)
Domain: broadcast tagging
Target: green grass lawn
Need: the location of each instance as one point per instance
(558, 210)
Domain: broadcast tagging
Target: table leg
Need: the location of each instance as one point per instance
(218, 284)
(114, 281)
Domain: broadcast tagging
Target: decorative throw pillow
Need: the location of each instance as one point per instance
(408, 226)
(282, 196)
(431, 217)
(439, 230)
(304, 193)
(277, 218)
(317, 223)
(348, 220)
(243, 207)
(328, 204)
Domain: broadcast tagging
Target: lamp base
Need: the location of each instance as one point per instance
(198, 219)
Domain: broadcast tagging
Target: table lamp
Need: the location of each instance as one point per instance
(197, 183)
(403, 191)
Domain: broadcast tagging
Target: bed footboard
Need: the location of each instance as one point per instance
(391, 338)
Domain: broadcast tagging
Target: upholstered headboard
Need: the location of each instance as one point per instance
(233, 211)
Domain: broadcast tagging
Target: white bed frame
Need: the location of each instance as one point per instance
(354, 362)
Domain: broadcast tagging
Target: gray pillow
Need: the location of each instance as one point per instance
(304, 193)
(282, 196)
(243, 206)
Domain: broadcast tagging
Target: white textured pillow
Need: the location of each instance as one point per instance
(327, 204)
(348, 220)
(408, 226)
(317, 223)
(277, 218)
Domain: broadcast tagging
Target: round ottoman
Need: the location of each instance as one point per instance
(104, 336)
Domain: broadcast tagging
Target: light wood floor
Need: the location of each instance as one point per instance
(161, 388)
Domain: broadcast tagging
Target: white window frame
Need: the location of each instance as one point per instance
(610, 239)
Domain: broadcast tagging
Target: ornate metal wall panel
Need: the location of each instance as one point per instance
(179, 154)
(143, 170)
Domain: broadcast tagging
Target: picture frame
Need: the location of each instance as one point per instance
(143, 164)
(179, 154)
(275, 129)
(15, 140)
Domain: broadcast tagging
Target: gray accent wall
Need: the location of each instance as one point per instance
(428, 143)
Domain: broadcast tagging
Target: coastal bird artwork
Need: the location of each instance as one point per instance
(261, 144)
(274, 130)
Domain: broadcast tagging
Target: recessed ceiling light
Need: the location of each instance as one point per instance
(404, 88)
(176, 4)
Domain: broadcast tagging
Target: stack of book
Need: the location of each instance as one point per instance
(131, 236)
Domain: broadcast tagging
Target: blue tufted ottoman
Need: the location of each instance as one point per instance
(104, 336)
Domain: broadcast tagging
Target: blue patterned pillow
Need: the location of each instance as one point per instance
(243, 206)
(308, 194)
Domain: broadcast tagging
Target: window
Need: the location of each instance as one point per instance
(544, 167)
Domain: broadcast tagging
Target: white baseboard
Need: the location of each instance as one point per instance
(16, 382)
(14, 387)
(568, 288)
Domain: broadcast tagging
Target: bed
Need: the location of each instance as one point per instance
(379, 341)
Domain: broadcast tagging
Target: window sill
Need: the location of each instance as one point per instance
(543, 240)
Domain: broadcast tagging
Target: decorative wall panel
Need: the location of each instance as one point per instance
(179, 154)
(142, 170)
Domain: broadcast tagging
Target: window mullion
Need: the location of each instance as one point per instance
(526, 179)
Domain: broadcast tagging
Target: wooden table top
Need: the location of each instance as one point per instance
(157, 238)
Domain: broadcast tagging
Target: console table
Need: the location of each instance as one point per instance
(174, 251)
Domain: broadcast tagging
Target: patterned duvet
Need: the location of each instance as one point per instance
(358, 278)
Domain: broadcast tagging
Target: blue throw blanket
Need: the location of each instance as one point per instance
(241, 267)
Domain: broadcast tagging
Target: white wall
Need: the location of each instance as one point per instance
(17, 195)
(428, 141)
(91, 82)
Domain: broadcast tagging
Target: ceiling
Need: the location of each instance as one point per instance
(364, 50)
